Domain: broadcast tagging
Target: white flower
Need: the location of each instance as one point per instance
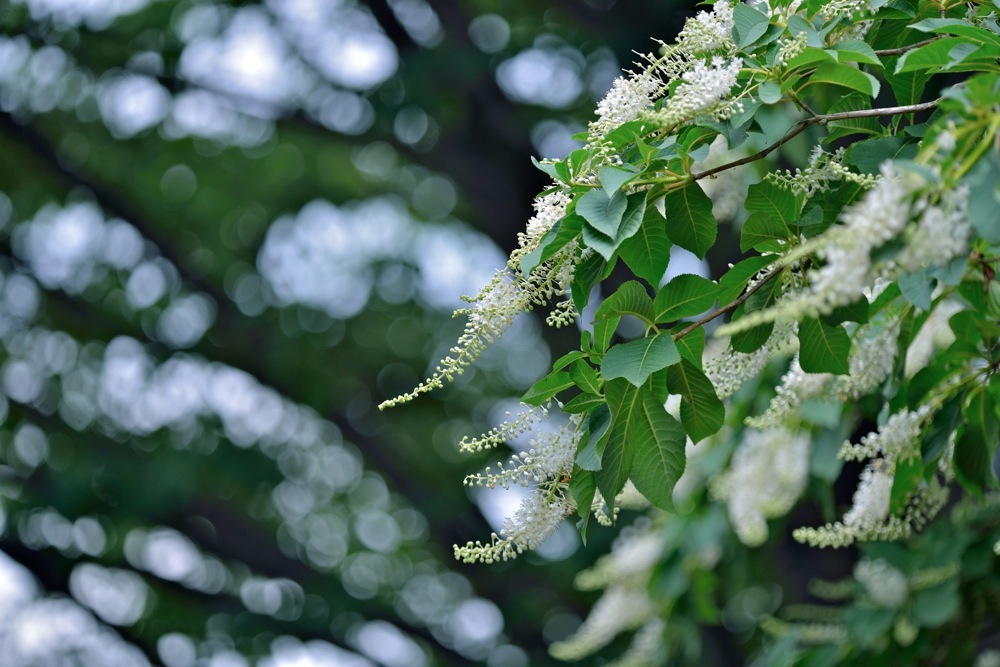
(708, 32)
(702, 93)
(619, 609)
(941, 234)
(796, 386)
(765, 479)
(549, 209)
(550, 456)
(898, 436)
(534, 522)
(871, 500)
(627, 98)
(884, 584)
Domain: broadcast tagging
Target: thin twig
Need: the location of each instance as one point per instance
(821, 119)
(732, 305)
(904, 49)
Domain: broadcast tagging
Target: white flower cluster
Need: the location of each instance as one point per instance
(885, 585)
(942, 231)
(550, 455)
(703, 92)
(766, 477)
(549, 209)
(935, 334)
(729, 369)
(534, 522)
(796, 386)
(873, 355)
(823, 169)
(497, 304)
(834, 8)
(896, 438)
(626, 99)
(511, 428)
(618, 610)
(870, 505)
(708, 31)
(547, 465)
(869, 517)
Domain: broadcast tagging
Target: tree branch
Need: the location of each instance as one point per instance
(821, 119)
(732, 305)
(904, 49)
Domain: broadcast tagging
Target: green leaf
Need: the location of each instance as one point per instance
(975, 448)
(936, 606)
(854, 312)
(602, 212)
(613, 178)
(638, 359)
(629, 299)
(984, 197)
(690, 223)
(692, 346)
(557, 238)
(909, 473)
(591, 447)
(587, 274)
(760, 228)
(629, 223)
(847, 127)
(585, 377)
(565, 360)
(823, 348)
(734, 281)
(847, 77)
(547, 387)
(769, 92)
(658, 441)
(749, 25)
(702, 413)
(869, 154)
(582, 403)
(583, 488)
(547, 168)
(941, 55)
(957, 27)
(647, 252)
(625, 404)
(856, 51)
(770, 200)
(942, 426)
(685, 295)
(917, 288)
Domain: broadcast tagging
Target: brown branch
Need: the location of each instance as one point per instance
(821, 119)
(904, 49)
(732, 305)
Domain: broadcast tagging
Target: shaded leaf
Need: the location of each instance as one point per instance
(690, 223)
(658, 440)
(637, 359)
(823, 348)
(702, 413)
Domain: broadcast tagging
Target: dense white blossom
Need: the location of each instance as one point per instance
(703, 92)
(535, 521)
(870, 505)
(897, 437)
(729, 369)
(796, 386)
(549, 209)
(942, 232)
(823, 169)
(766, 477)
(885, 585)
(934, 335)
(550, 455)
(619, 609)
(708, 31)
(626, 99)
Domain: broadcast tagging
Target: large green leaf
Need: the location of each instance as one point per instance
(702, 413)
(847, 77)
(658, 441)
(975, 448)
(957, 27)
(625, 404)
(647, 252)
(629, 299)
(823, 348)
(591, 448)
(690, 223)
(602, 212)
(685, 295)
(949, 53)
(585, 377)
(734, 281)
(628, 224)
(547, 387)
(638, 359)
(613, 178)
(778, 208)
(583, 488)
(749, 24)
